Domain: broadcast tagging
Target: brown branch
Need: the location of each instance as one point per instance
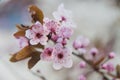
(90, 64)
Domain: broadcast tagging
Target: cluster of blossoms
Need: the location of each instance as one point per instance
(83, 46)
(58, 30)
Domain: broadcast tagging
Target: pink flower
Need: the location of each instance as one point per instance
(62, 41)
(81, 43)
(65, 32)
(82, 77)
(47, 54)
(93, 51)
(64, 16)
(23, 42)
(54, 37)
(108, 66)
(82, 64)
(38, 34)
(111, 55)
(62, 57)
(52, 25)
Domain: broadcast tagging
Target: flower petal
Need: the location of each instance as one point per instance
(43, 40)
(68, 63)
(30, 34)
(34, 41)
(37, 27)
(57, 66)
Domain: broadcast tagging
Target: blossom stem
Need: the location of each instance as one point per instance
(39, 76)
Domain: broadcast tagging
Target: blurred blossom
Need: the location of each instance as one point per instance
(23, 41)
(93, 51)
(82, 64)
(64, 16)
(108, 66)
(81, 42)
(111, 55)
(82, 77)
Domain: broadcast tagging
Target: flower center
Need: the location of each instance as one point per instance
(49, 53)
(38, 35)
(63, 18)
(60, 56)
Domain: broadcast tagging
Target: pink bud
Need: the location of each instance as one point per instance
(82, 77)
(94, 51)
(109, 67)
(82, 64)
(111, 55)
(104, 66)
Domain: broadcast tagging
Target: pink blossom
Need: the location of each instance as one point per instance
(82, 64)
(111, 55)
(108, 66)
(93, 51)
(62, 41)
(81, 42)
(52, 25)
(23, 42)
(65, 32)
(64, 16)
(54, 37)
(62, 57)
(104, 66)
(38, 34)
(82, 77)
(47, 54)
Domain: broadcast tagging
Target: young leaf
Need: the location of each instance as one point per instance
(22, 27)
(19, 33)
(36, 14)
(34, 59)
(22, 54)
(13, 59)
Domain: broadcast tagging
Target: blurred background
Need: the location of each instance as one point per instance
(96, 19)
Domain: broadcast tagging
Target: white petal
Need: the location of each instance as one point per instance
(57, 66)
(43, 40)
(29, 34)
(37, 27)
(34, 41)
(57, 16)
(68, 63)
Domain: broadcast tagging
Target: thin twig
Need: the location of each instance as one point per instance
(39, 76)
(96, 70)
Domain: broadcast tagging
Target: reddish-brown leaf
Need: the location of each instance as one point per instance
(36, 14)
(19, 33)
(34, 59)
(22, 54)
(22, 27)
(13, 59)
